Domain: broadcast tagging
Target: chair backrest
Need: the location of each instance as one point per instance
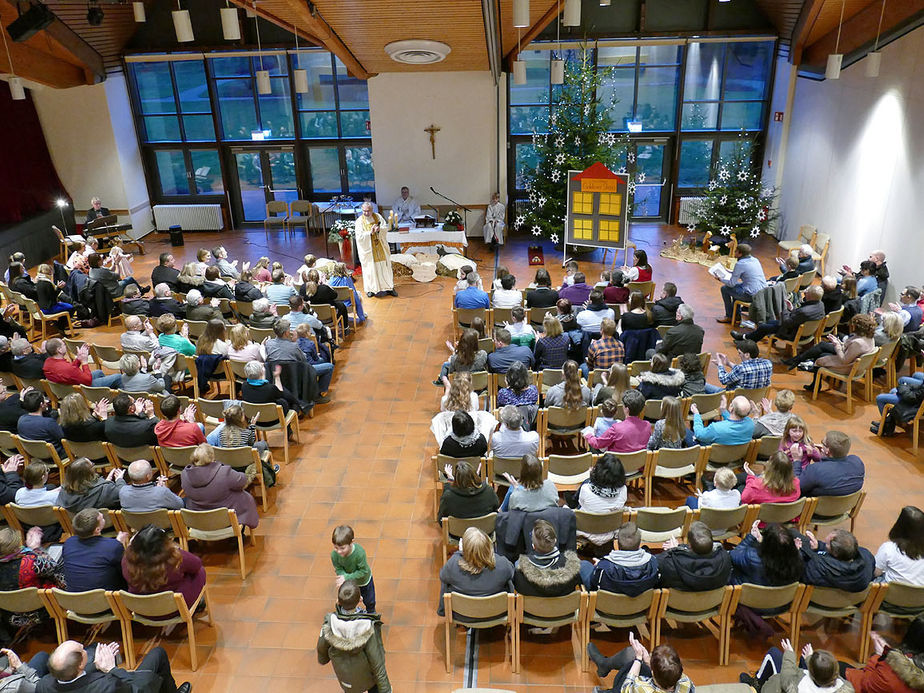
(646, 288)
(807, 233)
(598, 523)
(269, 411)
(727, 454)
(456, 526)
(570, 465)
(244, 309)
(831, 321)
(806, 278)
(8, 444)
(863, 364)
(236, 457)
(886, 352)
(277, 207)
(782, 513)
(89, 602)
(38, 450)
(300, 207)
(566, 419)
(499, 465)
(176, 458)
(821, 243)
(677, 603)
(550, 610)
(21, 601)
(766, 446)
(652, 410)
(208, 520)
(502, 315)
(763, 598)
(791, 284)
(95, 394)
(211, 408)
(151, 606)
(477, 463)
(721, 520)
(130, 454)
(136, 520)
(621, 609)
(550, 377)
(657, 524)
(106, 353)
(478, 612)
(481, 381)
(754, 394)
(486, 344)
(637, 367)
(906, 599)
(677, 458)
(834, 601)
(707, 403)
(835, 506)
(464, 316)
(633, 463)
(35, 515)
(196, 329)
(94, 450)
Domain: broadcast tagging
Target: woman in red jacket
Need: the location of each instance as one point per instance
(777, 485)
(893, 670)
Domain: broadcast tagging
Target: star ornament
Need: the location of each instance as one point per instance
(725, 229)
(631, 187)
(724, 174)
(641, 177)
(520, 221)
(556, 175)
(631, 157)
(537, 231)
(742, 203)
(559, 158)
(554, 238)
(742, 175)
(755, 231)
(691, 227)
(713, 185)
(723, 199)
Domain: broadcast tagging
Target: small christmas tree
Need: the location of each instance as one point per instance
(735, 201)
(579, 135)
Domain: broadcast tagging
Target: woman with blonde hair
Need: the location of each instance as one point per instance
(84, 488)
(777, 485)
(242, 348)
(203, 255)
(79, 423)
(341, 276)
(50, 295)
(890, 330)
(671, 430)
(209, 484)
(614, 385)
(236, 431)
(571, 393)
(213, 340)
(261, 271)
(189, 277)
(551, 350)
(154, 562)
(475, 570)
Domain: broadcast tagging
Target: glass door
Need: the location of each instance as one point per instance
(263, 175)
(652, 188)
(341, 170)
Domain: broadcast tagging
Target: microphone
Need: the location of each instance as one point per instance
(433, 191)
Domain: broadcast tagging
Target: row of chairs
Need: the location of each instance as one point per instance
(809, 235)
(713, 610)
(33, 319)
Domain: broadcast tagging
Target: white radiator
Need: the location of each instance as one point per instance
(190, 217)
(687, 208)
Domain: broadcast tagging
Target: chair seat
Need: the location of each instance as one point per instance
(157, 623)
(648, 536)
(531, 620)
(490, 623)
(212, 534)
(674, 472)
(570, 479)
(618, 620)
(91, 619)
(691, 616)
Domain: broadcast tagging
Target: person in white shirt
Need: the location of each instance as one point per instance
(34, 493)
(604, 492)
(405, 207)
(723, 496)
(511, 441)
(901, 558)
(494, 221)
(507, 296)
(595, 312)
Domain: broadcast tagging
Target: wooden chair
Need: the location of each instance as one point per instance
(820, 247)
(196, 329)
(860, 372)
(914, 424)
(831, 321)
(500, 316)
(285, 423)
(707, 609)
(243, 310)
(454, 527)
(829, 602)
(620, 611)
(754, 394)
(806, 335)
(462, 318)
(273, 208)
(826, 511)
(327, 314)
(66, 242)
(562, 423)
(171, 461)
(240, 458)
(95, 394)
(778, 601)
(647, 289)
(568, 472)
(718, 456)
(19, 517)
(498, 465)
(211, 525)
(42, 451)
(159, 610)
(91, 608)
(480, 613)
(210, 411)
(439, 462)
(106, 356)
(708, 405)
(57, 391)
(300, 214)
(345, 294)
(886, 361)
(600, 523)
(44, 318)
(550, 377)
(806, 279)
(660, 524)
(807, 235)
(123, 456)
(787, 514)
(21, 601)
(762, 448)
(8, 444)
(899, 600)
(552, 612)
(131, 522)
(674, 464)
(636, 368)
(188, 364)
(94, 451)
(635, 464)
(725, 523)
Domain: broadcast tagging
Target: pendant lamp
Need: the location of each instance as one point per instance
(138, 12)
(874, 58)
(521, 13)
(558, 65)
(182, 25)
(572, 13)
(230, 26)
(833, 68)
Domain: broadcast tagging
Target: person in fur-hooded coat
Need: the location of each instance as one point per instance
(546, 571)
(662, 380)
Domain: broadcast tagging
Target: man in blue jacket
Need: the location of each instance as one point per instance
(838, 561)
(471, 296)
(628, 569)
(838, 473)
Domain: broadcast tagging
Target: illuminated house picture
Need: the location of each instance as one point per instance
(597, 203)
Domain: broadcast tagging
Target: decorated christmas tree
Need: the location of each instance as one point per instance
(579, 134)
(735, 201)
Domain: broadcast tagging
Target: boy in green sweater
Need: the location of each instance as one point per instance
(350, 563)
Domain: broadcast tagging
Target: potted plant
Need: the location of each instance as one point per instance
(453, 221)
(343, 231)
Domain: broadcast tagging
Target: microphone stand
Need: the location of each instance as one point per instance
(465, 210)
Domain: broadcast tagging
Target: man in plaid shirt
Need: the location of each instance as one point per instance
(641, 672)
(751, 373)
(607, 350)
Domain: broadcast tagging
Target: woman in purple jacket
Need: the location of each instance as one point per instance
(209, 484)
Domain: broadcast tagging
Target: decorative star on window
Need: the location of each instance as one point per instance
(743, 203)
(631, 187)
(559, 142)
(630, 157)
(622, 169)
(761, 215)
(713, 185)
(554, 238)
(542, 200)
(641, 177)
(724, 174)
(742, 175)
(537, 231)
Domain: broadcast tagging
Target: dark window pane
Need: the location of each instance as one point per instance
(250, 180)
(619, 88)
(650, 161)
(536, 89)
(276, 110)
(155, 88)
(191, 86)
(230, 67)
(162, 129)
(353, 92)
(657, 97)
(360, 174)
(659, 55)
(353, 124)
(325, 169)
(282, 170)
(171, 169)
(238, 116)
(741, 115)
(274, 64)
(208, 171)
(747, 70)
(318, 124)
(727, 148)
(695, 163)
(199, 128)
(700, 116)
(526, 119)
(703, 79)
(320, 93)
(526, 160)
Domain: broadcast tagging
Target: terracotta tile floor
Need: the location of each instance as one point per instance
(364, 461)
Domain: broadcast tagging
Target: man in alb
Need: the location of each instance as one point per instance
(494, 221)
(406, 207)
(374, 256)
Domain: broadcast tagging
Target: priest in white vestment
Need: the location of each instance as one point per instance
(374, 256)
(494, 221)
(406, 207)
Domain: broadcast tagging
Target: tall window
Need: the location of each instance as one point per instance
(174, 101)
(645, 82)
(246, 113)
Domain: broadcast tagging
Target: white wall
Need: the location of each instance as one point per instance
(463, 106)
(855, 161)
(774, 147)
(91, 138)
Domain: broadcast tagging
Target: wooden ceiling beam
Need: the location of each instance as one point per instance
(299, 19)
(70, 41)
(861, 29)
(41, 67)
(800, 33)
(532, 33)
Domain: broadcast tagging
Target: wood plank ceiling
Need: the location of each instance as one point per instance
(109, 38)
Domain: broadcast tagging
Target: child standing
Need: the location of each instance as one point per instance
(797, 445)
(349, 559)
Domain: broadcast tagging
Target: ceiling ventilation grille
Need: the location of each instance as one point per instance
(417, 52)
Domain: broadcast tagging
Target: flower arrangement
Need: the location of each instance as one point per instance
(452, 221)
(341, 230)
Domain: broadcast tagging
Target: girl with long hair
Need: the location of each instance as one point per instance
(614, 385)
(639, 316)
(777, 485)
(466, 356)
(641, 271)
(83, 488)
(474, 570)
(767, 557)
(242, 348)
(901, 558)
(571, 393)
(236, 431)
(466, 495)
(79, 423)
(50, 295)
(341, 276)
(153, 562)
(530, 492)
(671, 430)
(214, 339)
(459, 395)
(797, 445)
(261, 271)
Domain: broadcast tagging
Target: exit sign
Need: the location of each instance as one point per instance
(778, 116)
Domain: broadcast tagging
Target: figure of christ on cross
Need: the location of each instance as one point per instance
(432, 130)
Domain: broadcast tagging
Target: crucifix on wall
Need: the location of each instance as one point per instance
(432, 130)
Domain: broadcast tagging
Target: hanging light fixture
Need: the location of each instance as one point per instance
(874, 58)
(230, 25)
(17, 92)
(521, 13)
(299, 76)
(138, 12)
(572, 13)
(182, 24)
(833, 68)
(558, 65)
(519, 66)
(264, 85)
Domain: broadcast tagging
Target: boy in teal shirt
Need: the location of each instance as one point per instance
(350, 563)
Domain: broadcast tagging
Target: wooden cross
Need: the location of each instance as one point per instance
(432, 130)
